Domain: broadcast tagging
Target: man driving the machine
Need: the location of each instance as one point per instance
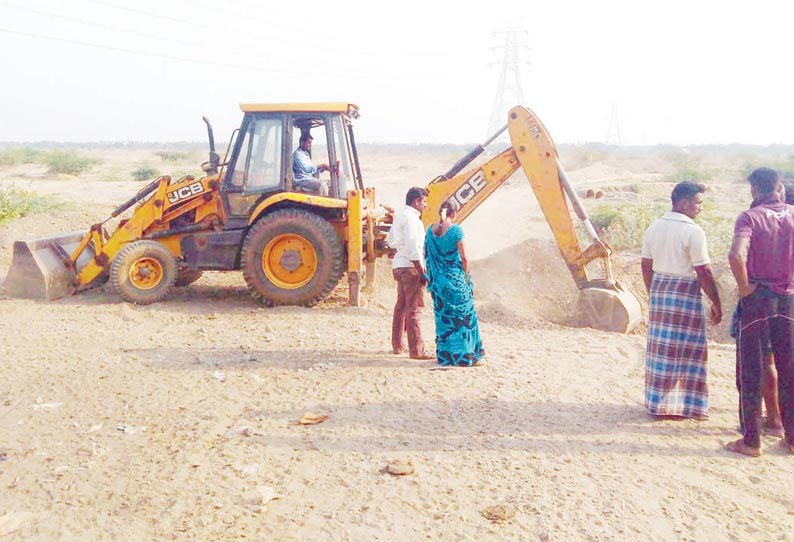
(305, 171)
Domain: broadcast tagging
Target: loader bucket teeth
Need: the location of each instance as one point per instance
(40, 269)
(616, 310)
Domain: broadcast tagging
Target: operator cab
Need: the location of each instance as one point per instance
(262, 160)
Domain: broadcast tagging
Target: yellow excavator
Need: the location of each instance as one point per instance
(292, 239)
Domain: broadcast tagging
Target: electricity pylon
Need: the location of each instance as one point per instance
(509, 92)
(613, 129)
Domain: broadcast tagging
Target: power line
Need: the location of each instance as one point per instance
(312, 34)
(258, 69)
(148, 34)
(179, 20)
(214, 28)
(249, 17)
(145, 53)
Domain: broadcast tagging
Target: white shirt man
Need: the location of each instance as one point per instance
(407, 237)
(675, 269)
(676, 244)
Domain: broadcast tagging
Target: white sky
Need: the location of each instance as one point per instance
(676, 72)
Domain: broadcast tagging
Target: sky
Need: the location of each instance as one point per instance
(673, 72)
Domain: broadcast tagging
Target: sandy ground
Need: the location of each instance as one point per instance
(178, 421)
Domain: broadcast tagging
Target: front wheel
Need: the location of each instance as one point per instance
(143, 272)
(292, 257)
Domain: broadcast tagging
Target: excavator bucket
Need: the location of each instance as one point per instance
(41, 268)
(606, 309)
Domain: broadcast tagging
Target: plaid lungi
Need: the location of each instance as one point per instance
(675, 360)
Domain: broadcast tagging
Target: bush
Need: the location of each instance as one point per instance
(16, 203)
(719, 229)
(18, 155)
(623, 225)
(68, 162)
(172, 156)
(603, 217)
(579, 157)
(693, 174)
(784, 166)
(687, 167)
(145, 173)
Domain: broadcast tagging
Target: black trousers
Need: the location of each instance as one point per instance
(766, 316)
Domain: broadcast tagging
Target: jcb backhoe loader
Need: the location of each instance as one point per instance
(249, 213)
(246, 213)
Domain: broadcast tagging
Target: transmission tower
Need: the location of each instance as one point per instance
(509, 92)
(613, 129)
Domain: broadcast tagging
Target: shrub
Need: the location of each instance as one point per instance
(718, 226)
(688, 173)
(577, 157)
(172, 156)
(145, 173)
(785, 166)
(18, 155)
(68, 162)
(687, 167)
(603, 217)
(623, 225)
(16, 203)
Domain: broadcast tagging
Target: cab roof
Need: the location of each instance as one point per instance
(319, 107)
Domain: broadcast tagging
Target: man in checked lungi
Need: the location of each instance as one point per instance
(762, 262)
(675, 268)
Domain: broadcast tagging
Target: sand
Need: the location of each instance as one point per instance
(179, 420)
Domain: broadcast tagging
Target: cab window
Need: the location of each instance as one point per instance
(320, 154)
(259, 162)
(343, 167)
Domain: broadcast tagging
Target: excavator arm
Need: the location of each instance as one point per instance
(603, 303)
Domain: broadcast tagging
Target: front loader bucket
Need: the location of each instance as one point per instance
(41, 269)
(606, 309)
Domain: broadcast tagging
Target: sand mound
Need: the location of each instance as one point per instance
(527, 284)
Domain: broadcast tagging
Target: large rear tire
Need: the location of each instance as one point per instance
(143, 272)
(292, 257)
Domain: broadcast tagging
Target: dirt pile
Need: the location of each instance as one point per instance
(526, 284)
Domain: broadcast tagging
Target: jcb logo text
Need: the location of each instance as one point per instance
(185, 192)
(468, 190)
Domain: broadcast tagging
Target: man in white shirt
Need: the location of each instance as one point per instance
(407, 237)
(675, 267)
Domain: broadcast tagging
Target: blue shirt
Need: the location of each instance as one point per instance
(302, 165)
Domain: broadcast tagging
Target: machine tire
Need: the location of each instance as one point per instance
(143, 272)
(311, 261)
(186, 276)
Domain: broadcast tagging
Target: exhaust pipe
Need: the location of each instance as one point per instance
(211, 167)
